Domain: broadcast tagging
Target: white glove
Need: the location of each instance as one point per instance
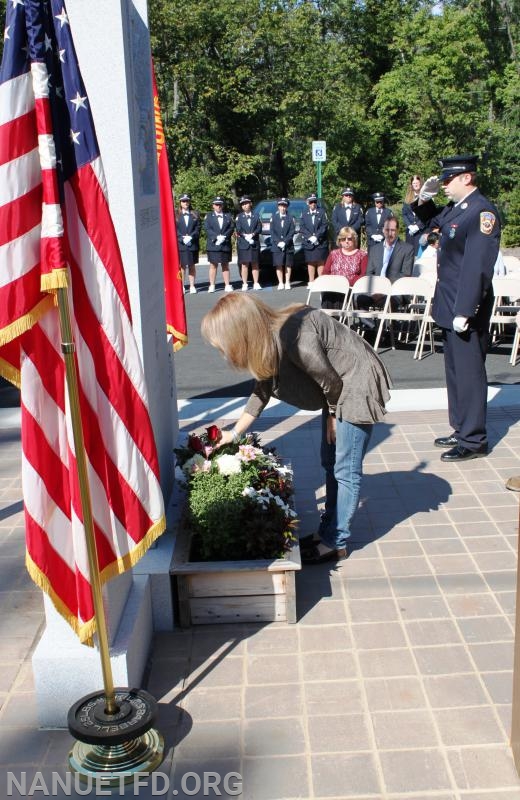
(220, 239)
(377, 237)
(412, 229)
(281, 245)
(186, 239)
(460, 324)
(313, 239)
(429, 188)
(249, 238)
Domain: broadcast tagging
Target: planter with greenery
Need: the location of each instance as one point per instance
(236, 551)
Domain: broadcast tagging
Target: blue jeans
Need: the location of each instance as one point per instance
(343, 465)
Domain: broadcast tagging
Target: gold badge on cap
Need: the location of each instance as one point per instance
(487, 222)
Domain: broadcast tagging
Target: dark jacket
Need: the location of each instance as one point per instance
(371, 224)
(282, 234)
(325, 364)
(411, 218)
(319, 227)
(339, 218)
(213, 229)
(189, 253)
(400, 264)
(242, 226)
(470, 239)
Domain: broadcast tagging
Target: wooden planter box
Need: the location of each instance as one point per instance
(233, 591)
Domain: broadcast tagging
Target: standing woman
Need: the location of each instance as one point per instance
(188, 234)
(314, 228)
(282, 227)
(413, 224)
(248, 227)
(305, 357)
(219, 227)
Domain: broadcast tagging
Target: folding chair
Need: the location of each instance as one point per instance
(512, 264)
(330, 283)
(505, 306)
(420, 292)
(368, 284)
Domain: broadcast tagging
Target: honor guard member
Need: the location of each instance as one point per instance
(282, 227)
(314, 229)
(248, 227)
(188, 233)
(463, 299)
(219, 227)
(347, 213)
(375, 219)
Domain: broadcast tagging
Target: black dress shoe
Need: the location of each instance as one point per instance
(446, 441)
(320, 553)
(460, 453)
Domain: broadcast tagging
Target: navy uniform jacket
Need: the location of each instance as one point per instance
(242, 226)
(470, 239)
(319, 228)
(282, 235)
(371, 224)
(213, 229)
(400, 264)
(411, 218)
(189, 253)
(339, 218)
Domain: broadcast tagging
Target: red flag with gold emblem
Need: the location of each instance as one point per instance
(173, 285)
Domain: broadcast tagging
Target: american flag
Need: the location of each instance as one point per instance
(56, 231)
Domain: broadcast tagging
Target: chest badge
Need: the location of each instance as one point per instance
(464, 206)
(453, 231)
(487, 222)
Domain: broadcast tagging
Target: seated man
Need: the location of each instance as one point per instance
(391, 258)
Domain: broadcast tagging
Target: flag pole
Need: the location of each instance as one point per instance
(68, 349)
(115, 737)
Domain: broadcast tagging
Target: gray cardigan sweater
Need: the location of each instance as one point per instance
(325, 364)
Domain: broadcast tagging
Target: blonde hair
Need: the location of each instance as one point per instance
(410, 194)
(347, 231)
(247, 332)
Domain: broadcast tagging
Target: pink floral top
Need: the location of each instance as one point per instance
(351, 265)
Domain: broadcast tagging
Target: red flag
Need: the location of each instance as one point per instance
(173, 280)
(56, 231)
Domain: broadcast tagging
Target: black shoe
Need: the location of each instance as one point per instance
(446, 441)
(460, 453)
(320, 553)
(308, 542)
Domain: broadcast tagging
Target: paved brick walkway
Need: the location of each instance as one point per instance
(395, 684)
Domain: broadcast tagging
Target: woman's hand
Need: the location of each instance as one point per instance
(331, 430)
(226, 438)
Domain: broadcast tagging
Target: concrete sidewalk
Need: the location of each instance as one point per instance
(395, 683)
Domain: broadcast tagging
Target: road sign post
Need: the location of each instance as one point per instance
(319, 154)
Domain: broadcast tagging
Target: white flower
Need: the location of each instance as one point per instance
(246, 452)
(284, 471)
(195, 464)
(228, 465)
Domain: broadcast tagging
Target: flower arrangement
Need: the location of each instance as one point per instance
(238, 498)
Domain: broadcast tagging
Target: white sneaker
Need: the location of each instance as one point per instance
(228, 288)
(211, 287)
(244, 287)
(280, 287)
(287, 285)
(256, 287)
(193, 290)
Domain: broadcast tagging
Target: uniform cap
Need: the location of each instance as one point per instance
(245, 199)
(347, 190)
(312, 198)
(457, 165)
(185, 197)
(218, 200)
(378, 196)
(282, 201)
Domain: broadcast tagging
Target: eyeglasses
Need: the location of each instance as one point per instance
(347, 239)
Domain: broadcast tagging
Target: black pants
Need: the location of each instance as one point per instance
(466, 382)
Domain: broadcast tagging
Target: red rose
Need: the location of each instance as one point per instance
(213, 433)
(195, 444)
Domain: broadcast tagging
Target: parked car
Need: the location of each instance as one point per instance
(265, 209)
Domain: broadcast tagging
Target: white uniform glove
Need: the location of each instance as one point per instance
(220, 239)
(313, 239)
(281, 245)
(377, 237)
(249, 238)
(186, 239)
(460, 324)
(429, 188)
(412, 229)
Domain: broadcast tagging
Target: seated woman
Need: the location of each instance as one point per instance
(348, 260)
(304, 357)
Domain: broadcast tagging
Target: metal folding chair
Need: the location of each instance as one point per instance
(330, 283)
(420, 292)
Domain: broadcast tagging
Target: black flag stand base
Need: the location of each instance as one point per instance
(115, 747)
